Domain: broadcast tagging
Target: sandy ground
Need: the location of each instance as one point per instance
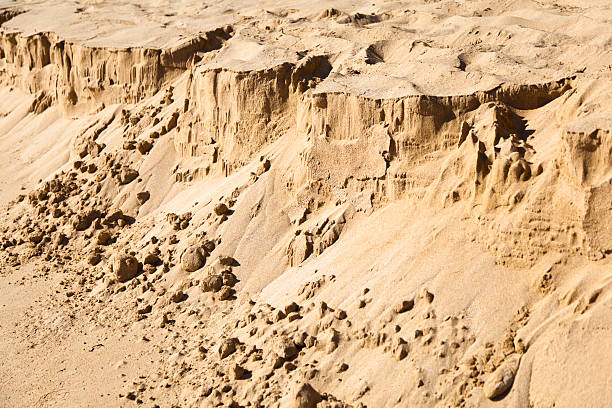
(305, 204)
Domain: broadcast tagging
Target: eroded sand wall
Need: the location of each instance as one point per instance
(80, 77)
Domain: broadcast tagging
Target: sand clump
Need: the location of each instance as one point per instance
(255, 204)
(125, 267)
(193, 258)
(500, 381)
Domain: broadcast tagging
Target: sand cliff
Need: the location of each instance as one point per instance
(388, 204)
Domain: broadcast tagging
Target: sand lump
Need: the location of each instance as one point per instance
(125, 267)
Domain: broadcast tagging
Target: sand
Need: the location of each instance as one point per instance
(305, 204)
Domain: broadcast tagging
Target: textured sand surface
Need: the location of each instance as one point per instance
(306, 204)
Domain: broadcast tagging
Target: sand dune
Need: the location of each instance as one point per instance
(305, 204)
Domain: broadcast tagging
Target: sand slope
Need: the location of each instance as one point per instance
(298, 204)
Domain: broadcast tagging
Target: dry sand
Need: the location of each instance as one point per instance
(306, 204)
